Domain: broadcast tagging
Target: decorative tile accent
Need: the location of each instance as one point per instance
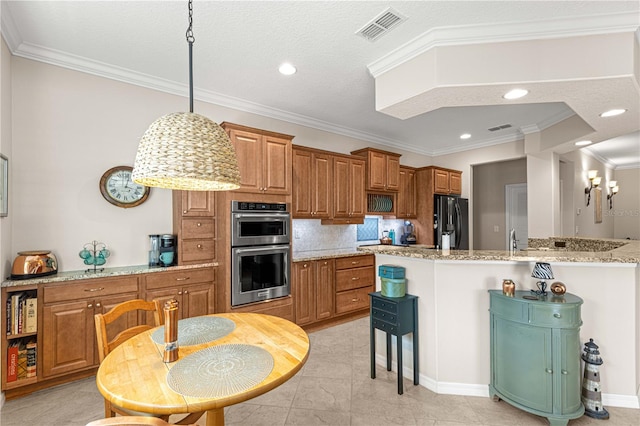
(368, 230)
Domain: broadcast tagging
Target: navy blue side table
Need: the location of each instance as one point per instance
(397, 316)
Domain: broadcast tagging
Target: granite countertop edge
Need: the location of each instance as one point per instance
(308, 256)
(612, 256)
(108, 272)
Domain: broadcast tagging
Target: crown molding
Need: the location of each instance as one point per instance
(506, 32)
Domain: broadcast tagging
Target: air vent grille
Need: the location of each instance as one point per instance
(501, 127)
(381, 24)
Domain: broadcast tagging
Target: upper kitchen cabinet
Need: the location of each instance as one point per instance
(406, 205)
(444, 181)
(383, 169)
(264, 159)
(312, 184)
(348, 192)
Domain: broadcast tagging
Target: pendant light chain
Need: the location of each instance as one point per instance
(190, 40)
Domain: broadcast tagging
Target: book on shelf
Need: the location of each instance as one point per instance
(31, 315)
(12, 362)
(8, 315)
(32, 358)
(22, 361)
(15, 302)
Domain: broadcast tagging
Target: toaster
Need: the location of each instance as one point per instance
(34, 264)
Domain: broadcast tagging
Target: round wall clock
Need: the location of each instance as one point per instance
(117, 188)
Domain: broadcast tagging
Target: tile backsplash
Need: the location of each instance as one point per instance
(310, 235)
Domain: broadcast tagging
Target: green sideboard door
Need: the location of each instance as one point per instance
(535, 354)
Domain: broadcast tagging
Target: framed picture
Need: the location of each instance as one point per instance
(597, 206)
(4, 186)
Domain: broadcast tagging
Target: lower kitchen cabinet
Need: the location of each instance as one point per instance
(355, 279)
(535, 354)
(68, 330)
(192, 288)
(313, 290)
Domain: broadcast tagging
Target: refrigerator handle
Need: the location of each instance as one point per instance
(458, 226)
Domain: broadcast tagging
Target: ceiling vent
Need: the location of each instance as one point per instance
(495, 129)
(381, 24)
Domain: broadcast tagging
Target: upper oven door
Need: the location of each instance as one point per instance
(254, 229)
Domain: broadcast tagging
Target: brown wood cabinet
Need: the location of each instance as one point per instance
(264, 159)
(192, 288)
(407, 207)
(68, 330)
(348, 193)
(312, 184)
(195, 225)
(445, 181)
(355, 279)
(383, 169)
(313, 290)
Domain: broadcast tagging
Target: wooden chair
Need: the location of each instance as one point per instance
(130, 421)
(105, 346)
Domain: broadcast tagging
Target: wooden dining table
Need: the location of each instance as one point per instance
(134, 376)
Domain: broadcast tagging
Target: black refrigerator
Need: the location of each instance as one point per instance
(451, 215)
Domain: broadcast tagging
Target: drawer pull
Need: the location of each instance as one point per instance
(182, 278)
(557, 315)
(98, 305)
(199, 224)
(90, 305)
(548, 370)
(354, 300)
(199, 246)
(179, 293)
(565, 372)
(354, 262)
(94, 289)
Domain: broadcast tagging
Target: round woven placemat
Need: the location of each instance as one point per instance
(220, 371)
(198, 330)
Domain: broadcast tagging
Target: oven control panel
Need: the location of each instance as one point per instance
(246, 206)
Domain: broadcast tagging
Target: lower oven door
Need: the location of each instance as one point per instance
(259, 273)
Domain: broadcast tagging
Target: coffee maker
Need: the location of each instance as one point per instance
(162, 250)
(408, 236)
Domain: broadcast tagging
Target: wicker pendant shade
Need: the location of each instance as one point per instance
(186, 151)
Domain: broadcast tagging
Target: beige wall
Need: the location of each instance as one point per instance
(489, 182)
(626, 205)
(5, 149)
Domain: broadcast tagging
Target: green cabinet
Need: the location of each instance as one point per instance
(535, 354)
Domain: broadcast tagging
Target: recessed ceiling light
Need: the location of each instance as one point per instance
(613, 112)
(465, 136)
(583, 143)
(515, 94)
(287, 69)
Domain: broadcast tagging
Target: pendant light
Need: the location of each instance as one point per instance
(186, 151)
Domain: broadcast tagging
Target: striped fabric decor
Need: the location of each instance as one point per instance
(542, 271)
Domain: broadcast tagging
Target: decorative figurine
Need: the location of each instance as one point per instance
(591, 391)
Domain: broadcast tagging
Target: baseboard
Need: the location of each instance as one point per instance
(1, 400)
(466, 389)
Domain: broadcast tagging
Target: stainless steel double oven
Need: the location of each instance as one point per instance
(260, 251)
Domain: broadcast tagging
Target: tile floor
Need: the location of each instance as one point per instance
(333, 388)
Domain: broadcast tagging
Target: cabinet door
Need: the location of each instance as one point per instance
(342, 190)
(522, 364)
(248, 148)
(455, 183)
(301, 204)
(440, 181)
(276, 165)
(567, 357)
(393, 173)
(321, 187)
(68, 337)
(197, 300)
(164, 294)
(197, 203)
(407, 206)
(357, 196)
(325, 288)
(304, 292)
(377, 173)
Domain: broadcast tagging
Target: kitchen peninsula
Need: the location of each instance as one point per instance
(453, 309)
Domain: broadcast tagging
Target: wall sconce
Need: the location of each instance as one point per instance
(613, 190)
(594, 181)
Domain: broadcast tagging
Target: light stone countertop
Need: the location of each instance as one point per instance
(307, 256)
(627, 253)
(108, 272)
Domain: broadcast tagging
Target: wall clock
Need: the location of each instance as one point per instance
(117, 188)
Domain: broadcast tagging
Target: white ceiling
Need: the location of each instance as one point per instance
(240, 44)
